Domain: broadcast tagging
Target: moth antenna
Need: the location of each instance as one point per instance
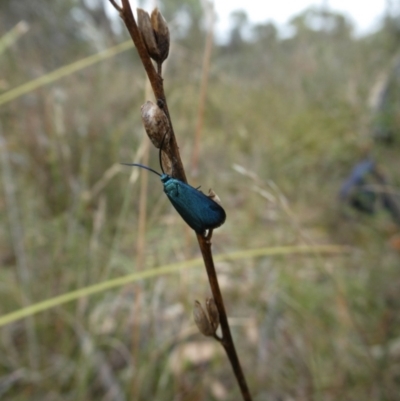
(159, 155)
(145, 167)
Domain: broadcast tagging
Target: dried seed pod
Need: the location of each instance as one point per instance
(161, 33)
(155, 34)
(212, 195)
(155, 123)
(201, 320)
(145, 28)
(212, 313)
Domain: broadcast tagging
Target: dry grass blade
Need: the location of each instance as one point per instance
(162, 270)
(62, 72)
(12, 36)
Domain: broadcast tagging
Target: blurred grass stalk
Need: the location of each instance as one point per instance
(13, 35)
(17, 240)
(166, 269)
(63, 72)
(210, 16)
(140, 255)
(16, 229)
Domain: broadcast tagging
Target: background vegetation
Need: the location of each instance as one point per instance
(285, 121)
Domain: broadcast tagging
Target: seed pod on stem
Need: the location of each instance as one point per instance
(213, 314)
(161, 33)
(201, 320)
(157, 127)
(145, 28)
(155, 34)
(155, 123)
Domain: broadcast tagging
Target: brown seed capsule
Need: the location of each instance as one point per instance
(212, 313)
(155, 34)
(161, 32)
(145, 28)
(201, 320)
(155, 123)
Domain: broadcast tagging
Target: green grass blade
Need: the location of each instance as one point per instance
(159, 271)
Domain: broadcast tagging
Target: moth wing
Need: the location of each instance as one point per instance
(198, 210)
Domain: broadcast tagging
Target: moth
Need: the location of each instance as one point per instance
(198, 210)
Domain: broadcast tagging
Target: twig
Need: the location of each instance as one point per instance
(178, 172)
(226, 340)
(156, 82)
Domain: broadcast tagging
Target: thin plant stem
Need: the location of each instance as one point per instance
(226, 340)
(156, 82)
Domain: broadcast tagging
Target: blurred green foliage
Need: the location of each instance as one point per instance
(285, 121)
